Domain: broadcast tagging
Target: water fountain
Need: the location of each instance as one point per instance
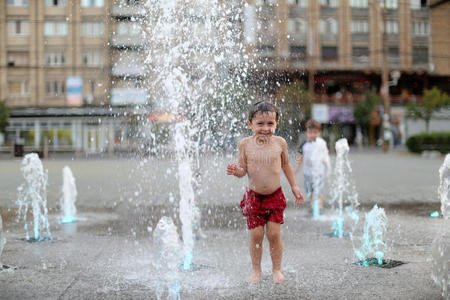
(69, 196)
(441, 245)
(372, 241)
(168, 257)
(189, 52)
(33, 193)
(343, 189)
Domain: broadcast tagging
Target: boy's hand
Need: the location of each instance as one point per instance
(231, 169)
(298, 195)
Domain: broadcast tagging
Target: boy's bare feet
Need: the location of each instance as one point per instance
(254, 278)
(278, 277)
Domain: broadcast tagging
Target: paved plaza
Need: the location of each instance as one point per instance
(108, 253)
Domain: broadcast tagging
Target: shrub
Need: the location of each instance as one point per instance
(439, 141)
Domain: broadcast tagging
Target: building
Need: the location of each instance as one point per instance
(342, 43)
(79, 54)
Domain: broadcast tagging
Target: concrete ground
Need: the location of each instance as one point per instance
(109, 254)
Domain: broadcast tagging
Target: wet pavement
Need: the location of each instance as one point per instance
(109, 254)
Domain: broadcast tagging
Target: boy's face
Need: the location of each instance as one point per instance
(263, 124)
(312, 133)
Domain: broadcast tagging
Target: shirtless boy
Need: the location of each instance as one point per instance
(262, 157)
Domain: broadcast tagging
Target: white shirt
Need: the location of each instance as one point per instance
(315, 157)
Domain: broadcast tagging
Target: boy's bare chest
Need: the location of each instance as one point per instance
(267, 155)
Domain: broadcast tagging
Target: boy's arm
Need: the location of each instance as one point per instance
(299, 163)
(241, 169)
(289, 173)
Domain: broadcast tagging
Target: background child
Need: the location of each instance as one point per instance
(315, 159)
(262, 157)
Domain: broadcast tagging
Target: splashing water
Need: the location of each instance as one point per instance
(169, 255)
(440, 247)
(343, 189)
(191, 47)
(33, 193)
(69, 196)
(372, 241)
(2, 241)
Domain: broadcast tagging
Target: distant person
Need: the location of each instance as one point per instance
(313, 155)
(262, 156)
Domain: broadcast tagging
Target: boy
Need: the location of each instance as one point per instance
(314, 154)
(262, 157)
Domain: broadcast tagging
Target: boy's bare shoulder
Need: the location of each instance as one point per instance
(243, 143)
(280, 140)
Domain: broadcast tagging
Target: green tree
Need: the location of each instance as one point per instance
(363, 109)
(432, 101)
(294, 102)
(4, 116)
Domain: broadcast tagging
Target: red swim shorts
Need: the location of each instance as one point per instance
(259, 208)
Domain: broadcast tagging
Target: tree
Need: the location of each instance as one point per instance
(362, 111)
(294, 102)
(4, 116)
(432, 101)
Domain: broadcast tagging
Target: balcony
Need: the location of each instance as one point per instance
(295, 12)
(360, 37)
(134, 70)
(126, 41)
(420, 13)
(329, 37)
(127, 11)
(360, 12)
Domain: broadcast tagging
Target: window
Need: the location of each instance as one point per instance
(359, 3)
(360, 54)
(328, 26)
(95, 3)
(390, 4)
(360, 26)
(55, 28)
(299, 3)
(92, 57)
(55, 2)
(298, 51)
(55, 88)
(92, 29)
(393, 55)
(18, 59)
(55, 58)
(392, 27)
(18, 3)
(329, 3)
(18, 88)
(419, 4)
(420, 28)
(297, 26)
(18, 28)
(329, 53)
(128, 28)
(420, 55)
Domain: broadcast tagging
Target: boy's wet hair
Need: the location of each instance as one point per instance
(262, 106)
(313, 124)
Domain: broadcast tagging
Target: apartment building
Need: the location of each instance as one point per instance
(52, 52)
(342, 43)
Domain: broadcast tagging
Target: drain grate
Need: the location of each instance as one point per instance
(197, 267)
(6, 267)
(386, 263)
(332, 235)
(33, 240)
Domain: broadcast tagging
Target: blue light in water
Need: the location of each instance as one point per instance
(187, 263)
(316, 209)
(337, 227)
(434, 214)
(68, 220)
(174, 292)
